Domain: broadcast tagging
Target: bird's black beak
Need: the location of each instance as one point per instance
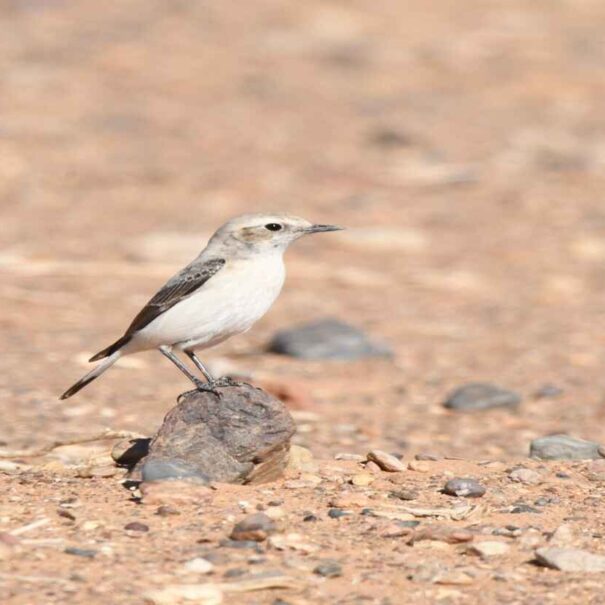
(323, 228)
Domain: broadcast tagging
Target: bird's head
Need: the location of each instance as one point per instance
(258, 233)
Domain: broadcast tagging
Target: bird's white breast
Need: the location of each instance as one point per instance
(227, 304)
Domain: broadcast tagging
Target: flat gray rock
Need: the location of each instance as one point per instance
(564, 447)
(477, 396)
(241, 437)
(327, 339)
(570, 559)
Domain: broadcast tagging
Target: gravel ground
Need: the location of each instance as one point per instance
(462, 144)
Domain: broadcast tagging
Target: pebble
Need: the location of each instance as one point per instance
(165, 511)
(301, 459)
(256, 527)
(88, 553)
(404, 494)
(328, 569)
(349, 457)
(427, 457)
(386, 462)
(327, 339)
(526, 476)
(419, 466)
(481, 396)
(136, 526)
(469, 488)
(563, 447)
(489, 548)
(198, 565)
(336, 513)
(524, 508)
(362, 479)
(548, 391)
(570, 559)
(596, 470)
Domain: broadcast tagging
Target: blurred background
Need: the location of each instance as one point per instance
(462, 144)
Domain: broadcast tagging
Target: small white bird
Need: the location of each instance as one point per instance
(228, 287)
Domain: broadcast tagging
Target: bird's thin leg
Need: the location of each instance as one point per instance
(200, 366)
(223, 381)
(199, 385)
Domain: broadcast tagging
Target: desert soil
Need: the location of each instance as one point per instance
(462, 144)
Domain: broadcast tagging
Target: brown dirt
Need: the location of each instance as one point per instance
(464, 146)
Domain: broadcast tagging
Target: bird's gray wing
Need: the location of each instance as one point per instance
(184, 283)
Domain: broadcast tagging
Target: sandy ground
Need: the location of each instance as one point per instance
(463, 144)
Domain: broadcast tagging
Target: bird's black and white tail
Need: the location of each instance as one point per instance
(94, 373)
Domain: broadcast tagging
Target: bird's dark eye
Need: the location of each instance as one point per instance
(274, 226)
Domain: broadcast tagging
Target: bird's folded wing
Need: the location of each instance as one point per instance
(190, 279)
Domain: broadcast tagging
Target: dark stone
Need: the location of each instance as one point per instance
(481, 396)
(328, 569)
(165, 511)
(243, 436)
(563, 447)
(469, 488)
(327, 339)
(310, 518)
(336, 513)
(136, 526)
(80, 552)
(255, 527)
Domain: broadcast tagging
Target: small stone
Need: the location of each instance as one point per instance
(489, 548)
(301, 459)
(466, 487)
(387, 462)
(524, 508)
(563, 447)
(165, 511)
(562, 536)
(548, 391)
(198, 565)
(136, 526)
(87, 553)
(362, 479)
(481, 396)
(328, 569)
(404, 494)
(427, 457)
(129, 451)
(526, 476)
(349, 457)
(570, 559)
(419, 466)
(336, 513)
(326, 339)
(596, 470)
(255, 527)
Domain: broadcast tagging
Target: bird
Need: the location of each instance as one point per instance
(230, 285)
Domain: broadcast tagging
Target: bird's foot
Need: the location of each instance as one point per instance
(225, 381)
(204, 387)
